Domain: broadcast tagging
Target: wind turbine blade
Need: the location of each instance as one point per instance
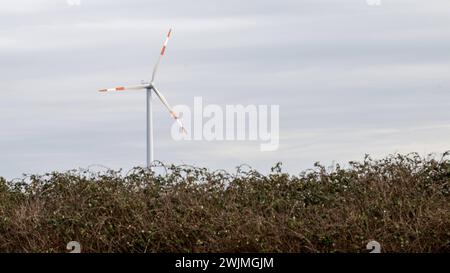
(163, 50)
(171, 111)
(123, 88)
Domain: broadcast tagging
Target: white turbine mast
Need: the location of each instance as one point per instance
(150, 88)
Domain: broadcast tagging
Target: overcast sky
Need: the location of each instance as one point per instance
(350, 79)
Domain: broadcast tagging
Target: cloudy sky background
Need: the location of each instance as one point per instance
(350, 79)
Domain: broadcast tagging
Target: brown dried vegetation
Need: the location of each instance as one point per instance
(403, 202)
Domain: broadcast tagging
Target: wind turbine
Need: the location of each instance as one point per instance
(150, 88)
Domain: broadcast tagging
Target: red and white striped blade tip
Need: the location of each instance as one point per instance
(120, 88)
(163, 49)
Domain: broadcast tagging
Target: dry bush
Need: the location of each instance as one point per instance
(403, 202)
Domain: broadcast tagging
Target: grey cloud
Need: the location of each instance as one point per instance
(341, 71)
